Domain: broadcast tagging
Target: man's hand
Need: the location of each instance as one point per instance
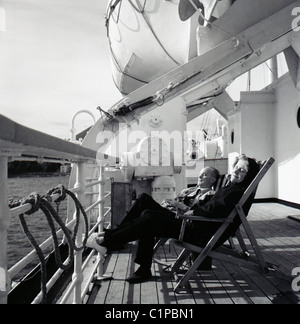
(167, 203)
(172, 203)
(189, 213)
(181, 207)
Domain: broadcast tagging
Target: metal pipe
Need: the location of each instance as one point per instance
(73, 137)
(4, 224)
(78, 276)
(273, 69)
(101, 213)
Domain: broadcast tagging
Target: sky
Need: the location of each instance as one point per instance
(55, 61)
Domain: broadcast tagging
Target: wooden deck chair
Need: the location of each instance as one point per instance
(212, 248)
(221, 182)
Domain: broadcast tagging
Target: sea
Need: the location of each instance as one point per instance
(21, 188)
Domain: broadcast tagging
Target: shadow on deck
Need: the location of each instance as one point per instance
(279, 239)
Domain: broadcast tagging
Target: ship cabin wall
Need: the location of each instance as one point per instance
(264, 125)
(287, 141)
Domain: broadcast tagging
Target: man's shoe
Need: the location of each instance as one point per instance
(94, 242)
(141, 275)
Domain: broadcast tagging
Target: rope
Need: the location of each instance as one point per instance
(40, 256)
(43, 203)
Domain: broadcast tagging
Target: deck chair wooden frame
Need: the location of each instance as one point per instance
(162, 241)
(223, 179)
(208, 251)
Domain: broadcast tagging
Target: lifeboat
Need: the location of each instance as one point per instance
(150, 38)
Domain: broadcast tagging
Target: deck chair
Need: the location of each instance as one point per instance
(221, 182)
(213, 248)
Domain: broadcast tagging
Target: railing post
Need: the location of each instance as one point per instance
(77, 275)
(4, 224)
(101, 214)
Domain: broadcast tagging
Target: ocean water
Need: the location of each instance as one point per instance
(19, 188)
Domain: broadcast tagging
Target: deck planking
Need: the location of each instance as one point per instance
(279, 240)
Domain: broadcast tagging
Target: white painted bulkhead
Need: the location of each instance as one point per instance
(287, 141)
(265, 124)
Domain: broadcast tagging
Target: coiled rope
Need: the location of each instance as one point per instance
(43, 203)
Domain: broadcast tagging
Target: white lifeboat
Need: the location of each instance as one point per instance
(147, 39)
(150, 38)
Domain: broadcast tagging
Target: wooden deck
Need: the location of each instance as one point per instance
(279, 238)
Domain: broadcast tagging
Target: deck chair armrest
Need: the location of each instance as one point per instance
(203, 219)
(198, 218)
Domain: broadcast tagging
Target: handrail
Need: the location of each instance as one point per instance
(16, 140)
(26, 260)
(14, 270)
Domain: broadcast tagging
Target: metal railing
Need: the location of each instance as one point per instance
(81, 157)
(79, 267)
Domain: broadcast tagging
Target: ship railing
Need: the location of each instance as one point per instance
(16, 141)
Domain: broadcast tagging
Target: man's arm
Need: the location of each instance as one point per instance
(219, 206)
(173, 203)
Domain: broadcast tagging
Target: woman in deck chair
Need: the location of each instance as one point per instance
(156, 223)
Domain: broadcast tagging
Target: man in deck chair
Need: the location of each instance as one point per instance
(152, 224)
(200, 194)
(205, 189)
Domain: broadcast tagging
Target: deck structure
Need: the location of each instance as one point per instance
(279, 239)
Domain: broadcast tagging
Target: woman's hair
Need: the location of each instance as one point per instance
(253, 168)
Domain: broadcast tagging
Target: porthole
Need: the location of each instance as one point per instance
(298, 117)
(232, 136)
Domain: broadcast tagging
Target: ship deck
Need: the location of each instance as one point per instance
(279, 239)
